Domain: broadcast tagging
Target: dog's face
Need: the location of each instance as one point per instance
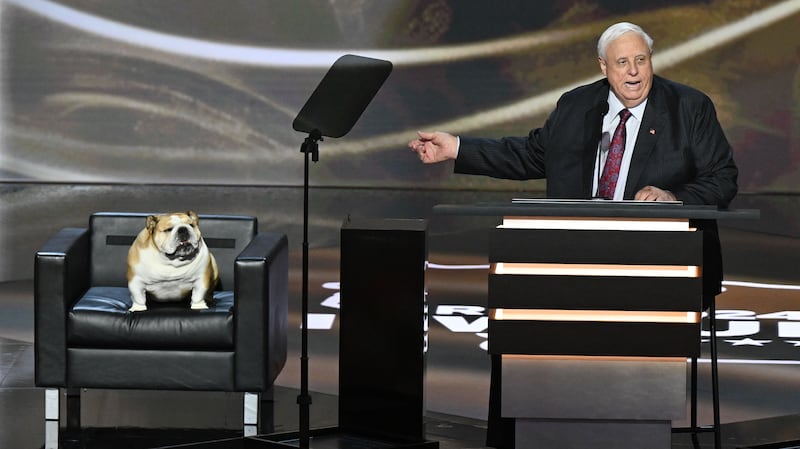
(168, 260)
(177, 235)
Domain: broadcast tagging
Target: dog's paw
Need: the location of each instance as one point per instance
(138, 308)
(199, 305)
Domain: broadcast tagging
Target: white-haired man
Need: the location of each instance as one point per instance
(630, 135)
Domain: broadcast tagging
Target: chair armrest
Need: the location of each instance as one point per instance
(61, 276)
(261, 291)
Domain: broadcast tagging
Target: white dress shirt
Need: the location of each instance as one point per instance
(610, 122)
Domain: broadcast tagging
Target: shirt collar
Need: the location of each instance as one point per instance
(615, 106)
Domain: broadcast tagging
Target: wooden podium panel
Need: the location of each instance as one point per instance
(595, 246)
(592, 293)
(592, 382)
(594, 338)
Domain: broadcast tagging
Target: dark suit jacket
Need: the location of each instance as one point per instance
(680, 147)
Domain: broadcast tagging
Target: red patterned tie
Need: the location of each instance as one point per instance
(608, 181)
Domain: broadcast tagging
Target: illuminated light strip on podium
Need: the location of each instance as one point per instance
(594, 223)
(551, 269)
(594, 315)
(596, 358)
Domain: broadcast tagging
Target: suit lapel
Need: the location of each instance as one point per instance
(591, 137)
(652, 124)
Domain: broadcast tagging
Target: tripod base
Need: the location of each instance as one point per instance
(333, 438)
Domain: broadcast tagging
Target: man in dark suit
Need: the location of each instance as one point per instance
(679, 151)
(675, 148)
(667, 144)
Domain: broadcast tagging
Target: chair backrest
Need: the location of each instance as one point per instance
(112, 234)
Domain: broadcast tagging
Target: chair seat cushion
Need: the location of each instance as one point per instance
(100, 319)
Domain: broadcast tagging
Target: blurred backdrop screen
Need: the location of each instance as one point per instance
(204, 92)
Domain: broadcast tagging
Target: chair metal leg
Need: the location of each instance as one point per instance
(51, 404)
(51, 434)
(250, 414)
(52, 411)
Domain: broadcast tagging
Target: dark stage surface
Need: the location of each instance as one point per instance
(758, 315)
(759, 382)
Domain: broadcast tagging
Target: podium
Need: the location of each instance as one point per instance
(594, 308)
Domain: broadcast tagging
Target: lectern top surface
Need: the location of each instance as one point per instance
(570, 208)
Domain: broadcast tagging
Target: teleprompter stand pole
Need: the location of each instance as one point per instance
(331, 111)
(310, 148)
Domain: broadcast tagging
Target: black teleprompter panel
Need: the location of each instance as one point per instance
(383, 328)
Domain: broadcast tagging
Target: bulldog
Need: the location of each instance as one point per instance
(168, 260)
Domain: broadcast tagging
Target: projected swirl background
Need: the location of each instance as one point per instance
(204, 92)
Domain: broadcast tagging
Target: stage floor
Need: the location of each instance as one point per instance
(116, 419)
(759, 369)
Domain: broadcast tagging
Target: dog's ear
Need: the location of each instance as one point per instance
(152, 221)
(193, 215)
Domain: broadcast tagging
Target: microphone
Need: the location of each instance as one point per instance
(603, 108)
(605, 142)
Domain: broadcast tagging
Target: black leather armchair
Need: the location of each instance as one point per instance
(86, 338)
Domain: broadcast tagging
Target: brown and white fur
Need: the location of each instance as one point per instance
(168, 260)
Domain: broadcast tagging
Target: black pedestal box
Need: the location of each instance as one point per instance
(382, 339)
